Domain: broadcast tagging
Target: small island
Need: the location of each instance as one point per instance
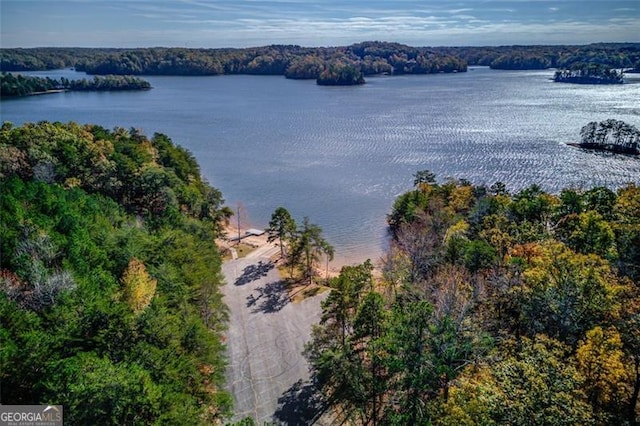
(589, 74)
(12, 86)
(610, 135)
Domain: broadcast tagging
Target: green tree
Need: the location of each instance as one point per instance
(588, 233)
(423, 177)
(536, 386)
(368, 335)
(479, 255)
(410, 362)
(568, 293)
(97, 391)
(65, 246)
(339, 308)
(281, 226)
(307, 248)
(338, 357)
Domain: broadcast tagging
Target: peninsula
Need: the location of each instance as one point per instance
(610, 135)
(20, 85)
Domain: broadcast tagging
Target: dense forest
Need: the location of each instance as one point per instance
(21, 85)
(109, 277)
(309, 62)
(291, 61)
(612, 55)
(492, 308)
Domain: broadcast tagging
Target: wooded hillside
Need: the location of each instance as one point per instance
(109, 277)
(493, 308)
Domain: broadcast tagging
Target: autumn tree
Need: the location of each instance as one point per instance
(138, 287)
(600, 359)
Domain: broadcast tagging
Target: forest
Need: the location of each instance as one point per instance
(612, 55)
(288, 60)
(109, 277)
(21, 85)
(491, 308)
(369, 58)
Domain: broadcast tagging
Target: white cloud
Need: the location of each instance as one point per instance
(224, 23)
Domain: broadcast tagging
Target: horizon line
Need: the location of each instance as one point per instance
(329, 46)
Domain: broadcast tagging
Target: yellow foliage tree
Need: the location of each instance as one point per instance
(138, 287)
(457, 230)
(627, 207)
(600, 360)
(461, 198)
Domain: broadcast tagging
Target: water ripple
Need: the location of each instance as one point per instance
(341, 155)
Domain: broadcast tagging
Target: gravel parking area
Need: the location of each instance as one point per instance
(267, 374)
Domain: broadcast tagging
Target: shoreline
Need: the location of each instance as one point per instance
(251, 243)
(615, 149)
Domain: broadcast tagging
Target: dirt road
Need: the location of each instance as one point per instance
(267, 373)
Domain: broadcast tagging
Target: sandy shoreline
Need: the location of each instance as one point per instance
(260, 242)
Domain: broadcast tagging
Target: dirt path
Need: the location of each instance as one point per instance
(267, 373)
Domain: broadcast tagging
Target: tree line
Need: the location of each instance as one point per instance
(109, 277)
(288, 60)
(20, 85)
(611, 55)
(491, 308)
(371, 57)
(589, 74)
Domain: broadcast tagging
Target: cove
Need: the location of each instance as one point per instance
(340, 155)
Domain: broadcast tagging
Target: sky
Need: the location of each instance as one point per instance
(244, 23)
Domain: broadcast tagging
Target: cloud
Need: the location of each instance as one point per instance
(238, 23)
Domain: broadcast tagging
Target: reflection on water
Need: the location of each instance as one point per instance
(341, 154)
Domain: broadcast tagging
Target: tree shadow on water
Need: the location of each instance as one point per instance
(254, 272)
(301, 404)
(269, 299)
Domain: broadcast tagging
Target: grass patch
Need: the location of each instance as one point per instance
(242, 250)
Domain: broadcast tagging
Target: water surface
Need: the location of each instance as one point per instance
(340, 155)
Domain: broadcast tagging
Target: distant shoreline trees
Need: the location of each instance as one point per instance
(340, 74)
(21, 85)
(589, 74)
(341, 65)
(373, 57)
(296, 62)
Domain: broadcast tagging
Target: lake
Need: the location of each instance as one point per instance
(340, 155)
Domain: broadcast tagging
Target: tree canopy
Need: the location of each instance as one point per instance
(490, 309)
(109, 276)
(20, 85)
(372, 57)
